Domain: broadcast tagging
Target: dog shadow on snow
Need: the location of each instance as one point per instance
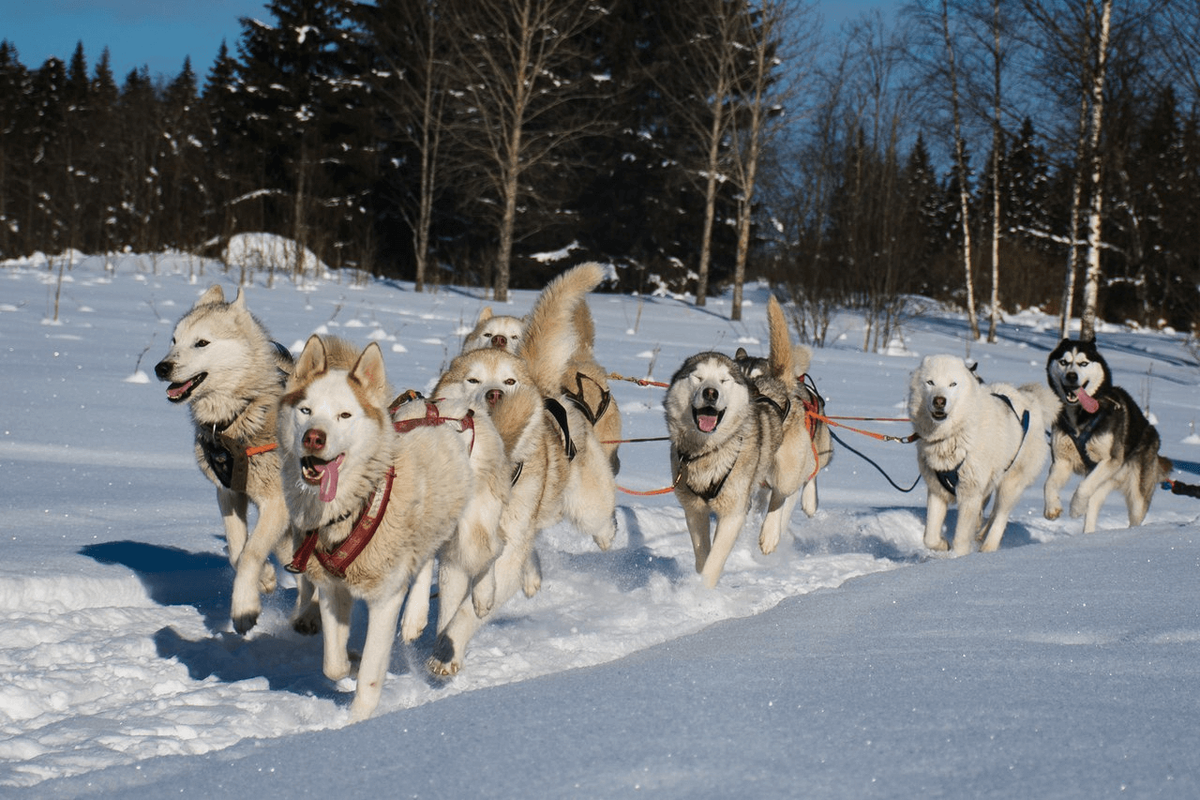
(176, 577)
(630, 567)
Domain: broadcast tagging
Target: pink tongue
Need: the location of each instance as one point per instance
(707, 422)
(1086, 401)
(329, 479)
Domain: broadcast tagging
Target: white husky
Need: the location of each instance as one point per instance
(375, 503)
(975, 440)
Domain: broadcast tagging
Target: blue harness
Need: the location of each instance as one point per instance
(948, 478)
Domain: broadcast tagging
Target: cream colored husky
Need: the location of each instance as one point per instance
(560, 469)
(375, 504)
(224, 366)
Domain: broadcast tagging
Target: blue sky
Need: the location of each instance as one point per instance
(159, 34)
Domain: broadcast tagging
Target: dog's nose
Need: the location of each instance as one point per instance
(710, 394)
(493, 396)
(1072, 377)
(314, 439)
(939, 402)
(163, 370)
(500, 341)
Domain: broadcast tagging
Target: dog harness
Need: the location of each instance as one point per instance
(1082, 436)
(432, 417)
(229, 457)
(343, 555)
(577, 397)
(948, 478)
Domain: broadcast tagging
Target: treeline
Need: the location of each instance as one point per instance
(991, 154)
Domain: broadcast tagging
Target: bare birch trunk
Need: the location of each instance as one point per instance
(1091, 285)
(964, 194)
(997, 144)
(1068, 301)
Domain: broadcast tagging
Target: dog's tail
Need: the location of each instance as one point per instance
(782, 356)
(552, 336)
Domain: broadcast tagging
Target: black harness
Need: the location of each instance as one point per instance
(948, 478)
(1082, 436)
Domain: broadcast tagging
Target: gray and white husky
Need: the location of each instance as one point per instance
(730, 434)
(223, 365)
(977, 441)
(1100, 434)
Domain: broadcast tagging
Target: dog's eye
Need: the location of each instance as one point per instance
(953, 384)
(472, 381)
(345, 415)
(305, 411)
(1062, 362)
(1083, 364)
(929, 382)
(510, 382)
(202, 343)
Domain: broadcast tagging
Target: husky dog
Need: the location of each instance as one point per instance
(1100, 434)
(976, 441)
(560, 469)
(584, 382)
(375, 503)
(806, 406)
(224, 366)
(730, 433)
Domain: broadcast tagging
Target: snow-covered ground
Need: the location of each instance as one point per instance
(850, 663)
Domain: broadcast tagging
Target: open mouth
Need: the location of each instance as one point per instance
(178, 392)
(938, 414)
(707, 418)
(322, 473)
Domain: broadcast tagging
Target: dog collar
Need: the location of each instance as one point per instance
(337, 562)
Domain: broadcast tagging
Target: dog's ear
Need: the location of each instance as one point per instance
(369, 371)
(313, 358)
(211, 296)
(239, 301)
(485, 314)
(740, 354)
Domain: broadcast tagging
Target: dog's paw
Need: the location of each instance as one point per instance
(939, 544)
(242, 623)
(1078, 505)
(308, 622)
(605, 537)
(1052, 512)
(443, 669)
(767, 542)
(483, 596)
(531, 574)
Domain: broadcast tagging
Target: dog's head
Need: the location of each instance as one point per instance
(502, 332)
(484, 376)
(333, 415)
(218, 337)
(936, 387)
(1077, 372)
(707, 392)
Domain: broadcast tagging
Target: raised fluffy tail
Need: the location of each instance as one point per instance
(782, 356)
(551, 338)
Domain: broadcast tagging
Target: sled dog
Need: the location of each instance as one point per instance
(729, 433)
(224, 366)
(584, 382)
(374, 502)
(976, 441)
(560, 471)
(1100, 434)
(805, 402)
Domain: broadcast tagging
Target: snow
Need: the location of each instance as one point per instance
(851, 663)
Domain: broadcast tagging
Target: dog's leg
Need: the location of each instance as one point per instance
(416, 610)
(935, 515)
(272, 526)
(970, 512)
(590, 501)
(1081, 501)
(234, 508)
(728, 528)
(1094, 504)
(808, 497)
(1060, 473)
(779, 512)
(697, 517)
(1137, 498)
(306, 616)
(1003, 503)
(377, 653)
(453, 585)
(451, 646)
(531, 574)
(336, 604)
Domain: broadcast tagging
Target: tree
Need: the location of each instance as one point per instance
(520, 71)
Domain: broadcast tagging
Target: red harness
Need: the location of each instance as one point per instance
(365, 526)
(433, 417)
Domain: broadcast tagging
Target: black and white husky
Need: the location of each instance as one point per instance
(1100, 434)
